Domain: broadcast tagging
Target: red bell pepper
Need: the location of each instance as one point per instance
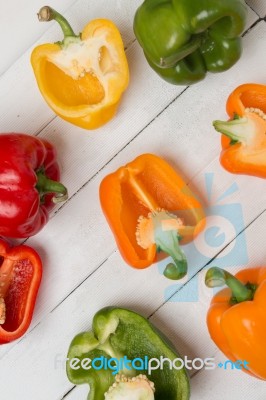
(29, 186)
(20, 277)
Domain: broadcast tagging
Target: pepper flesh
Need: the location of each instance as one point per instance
(141, 187)
(236, 318)
(29, 186)
(118, 333)
(183, 39)
(83, 77)
(244, 139)
(20, 277)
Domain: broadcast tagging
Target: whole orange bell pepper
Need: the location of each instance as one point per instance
(83, 77)
(149, 209)
(237, 319)
(244, 139)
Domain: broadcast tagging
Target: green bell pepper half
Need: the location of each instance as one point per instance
(118, 332)
(183, 39)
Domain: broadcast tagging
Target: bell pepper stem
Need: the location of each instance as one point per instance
(237, 129)
(218, 277)
(47, 13)
(45, 185)
(184, 51)
(169, 243)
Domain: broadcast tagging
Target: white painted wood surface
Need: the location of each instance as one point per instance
(83, 271)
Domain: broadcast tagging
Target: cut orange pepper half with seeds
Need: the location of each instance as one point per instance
(244, 135)
(150, 209)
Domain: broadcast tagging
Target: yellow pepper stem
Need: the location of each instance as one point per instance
(47, 13)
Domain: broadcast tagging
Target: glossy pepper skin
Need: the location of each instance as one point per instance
(83, 77)
(183, 39)
(243, 136)
(138, 189)
(236, 318)
(29, 186)
(116, 333)
(20, 277)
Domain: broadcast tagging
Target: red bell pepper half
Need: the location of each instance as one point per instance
(20, 277)
(29, 186)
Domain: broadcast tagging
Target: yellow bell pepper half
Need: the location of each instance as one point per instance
(83, 77)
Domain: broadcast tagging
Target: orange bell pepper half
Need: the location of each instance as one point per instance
(20, 277)
(236, 318)
(244, 139)
(83, 77)
(150, 208)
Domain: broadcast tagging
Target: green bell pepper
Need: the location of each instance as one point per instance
(117, 335)
(183, 39)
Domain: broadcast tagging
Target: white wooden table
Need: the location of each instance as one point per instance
(83, 271)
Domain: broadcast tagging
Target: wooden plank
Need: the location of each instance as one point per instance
(226, 384)
(77, 393)
(259, 6)
(20, 28)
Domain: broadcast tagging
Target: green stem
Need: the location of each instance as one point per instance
(47, 13)
(218, 277)
(237, 129)
(188, 48)
(45, 185)
(168, 241)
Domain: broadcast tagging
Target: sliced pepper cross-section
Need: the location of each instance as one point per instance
(120, 334)
(243, 136)
(83, 77)
(20, 277)
(150, 208)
